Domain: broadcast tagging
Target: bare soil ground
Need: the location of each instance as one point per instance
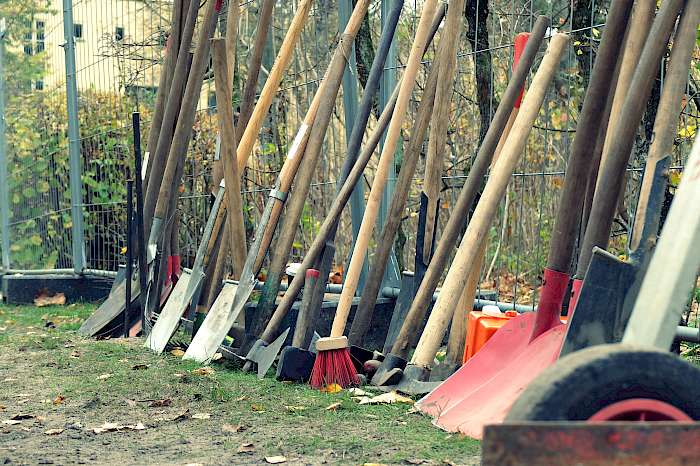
(69, 400)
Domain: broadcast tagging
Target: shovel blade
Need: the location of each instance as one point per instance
(489, 401)
(295, 365)
(264, 356)
(507, 343)
(601, 315)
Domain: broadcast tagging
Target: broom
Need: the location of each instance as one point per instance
(333, 364)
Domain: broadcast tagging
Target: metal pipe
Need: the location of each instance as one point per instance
(76, 188)
(4, 180)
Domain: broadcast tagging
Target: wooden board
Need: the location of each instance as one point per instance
(110, 309)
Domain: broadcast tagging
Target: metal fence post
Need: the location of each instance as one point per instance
(76, 187)
(4, 180)
(350, 99)
(392, 276)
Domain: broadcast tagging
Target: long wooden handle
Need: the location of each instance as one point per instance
(183, 129)
(458, 328)
(307, 171)
(666, 122)
(438, 128)
(234, 216)
(284, 56)
(382, 173)
(460, 211)
(577, 169)
(608, 188)
(488, 204)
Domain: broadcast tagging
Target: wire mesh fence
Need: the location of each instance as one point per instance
(119, 50)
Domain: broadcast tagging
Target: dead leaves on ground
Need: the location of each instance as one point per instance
(45, 298)
(53, 431)
(276, 459)
(231, 429)
(385, 398)
(104, 376)
(203, 371)
(246, 448)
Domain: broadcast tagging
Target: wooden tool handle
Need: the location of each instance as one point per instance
(284, 56)
(578, 166)
(382, 173)
(613, 167)
(235, 222)
(488, 204)
(666, 122)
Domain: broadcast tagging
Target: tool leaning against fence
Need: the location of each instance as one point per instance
(434, 108)
(333, 364)
(264, 353)
(395, 361)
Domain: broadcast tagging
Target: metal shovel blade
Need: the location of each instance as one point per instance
(490, 400)
(173, 310)
(600, 316)
(264, 356)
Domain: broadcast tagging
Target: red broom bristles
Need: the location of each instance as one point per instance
(334, 367)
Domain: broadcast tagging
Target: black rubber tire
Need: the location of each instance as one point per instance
(582, 383)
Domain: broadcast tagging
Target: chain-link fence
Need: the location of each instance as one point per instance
(119, 48)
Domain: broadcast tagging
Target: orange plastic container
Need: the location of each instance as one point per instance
(480, 328)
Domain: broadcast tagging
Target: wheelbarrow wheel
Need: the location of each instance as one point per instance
(612, 383)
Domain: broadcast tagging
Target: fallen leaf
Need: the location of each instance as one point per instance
(161, 403)
(448, 462)
(59, 400)
(69, 344)
(201, 416)
(2, 407)
(182, 416)
(177, 352)
(104, 376)
(233, 429)
(414, 461)
(138, 426)
(53, 431)
(11, 422)
(217, 356)
(246, 448)
(332, 388)
(106, 427)
(295, 409)
(140, 367)
(26, 429)
(206, 370)
(386, 398)
(257, 408)
(275, 459)
(241, 398)
(359, 392)
(9, 379)
(75, 354)
(131, 402)
(44, 299)
(22, 417)
(179, 375)
(334, 406)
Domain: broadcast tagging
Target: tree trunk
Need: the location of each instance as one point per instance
(477, 13)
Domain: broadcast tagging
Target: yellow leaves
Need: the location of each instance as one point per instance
(177, 352)
(203, 371)
(687, 131)
(332, 388)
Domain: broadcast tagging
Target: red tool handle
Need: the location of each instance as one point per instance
(520, 41)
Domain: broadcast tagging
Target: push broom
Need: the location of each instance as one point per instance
(333, 364)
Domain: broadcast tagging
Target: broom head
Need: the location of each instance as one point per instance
(333, 364)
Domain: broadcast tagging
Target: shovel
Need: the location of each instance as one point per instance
(336, 209)
(596, 97)
(389, 373)
(473, 410)
(432, 104)
(296, 362)
(490, 360)
(215, 327)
